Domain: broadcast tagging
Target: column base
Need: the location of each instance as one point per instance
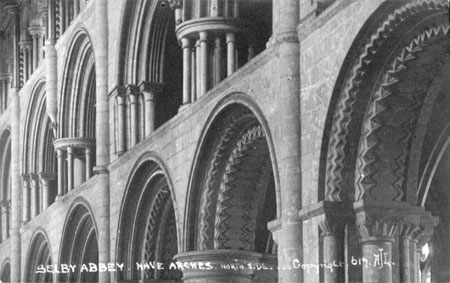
(227, 266)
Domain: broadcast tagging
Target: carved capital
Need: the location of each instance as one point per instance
(150, 90)
(176, 4)
(36, 30)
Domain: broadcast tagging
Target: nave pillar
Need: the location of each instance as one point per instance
(389, 240)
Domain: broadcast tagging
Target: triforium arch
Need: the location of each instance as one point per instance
(5, 271)
(148, 227)
(39, 158)
(79, 245)
(232, 196)
(39, 256)
(380, 136)
(150, 74)
(5, 184)
(77, 115)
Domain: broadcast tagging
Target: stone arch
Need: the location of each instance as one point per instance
(79, 243)
(148, 227)
(5, 275)
(77, 105)
(150, 53)
(232, 193)
(5, 184)
(39, 254)
(387, 130)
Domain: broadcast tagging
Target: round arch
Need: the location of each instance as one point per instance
(386, 131)
(79, 243)
(77, 106)
(233, 187)
(148, 222)
(39, 254)
(5, 275)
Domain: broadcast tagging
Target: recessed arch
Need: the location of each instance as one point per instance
(148, 230)
(5, 275)
(39, 255)
(232, 191)
(77, 105)
(79, 244)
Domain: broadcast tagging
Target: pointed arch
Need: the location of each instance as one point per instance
(5, 274)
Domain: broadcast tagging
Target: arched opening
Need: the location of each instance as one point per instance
(386, 118)
(5, 185)
(79, 245)
(75, 143)
(38, 257)
(150, 74)
(232, 195)
(148, 231)
(6, 272)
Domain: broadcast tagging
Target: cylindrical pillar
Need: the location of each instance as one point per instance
(197, 68)
(333, 256)
(231, 60)
(35, 47)
(203, 62)
(378, 252)
(60, 159)
(415, 262)
(193, 75)
(102, 133)
(76, 7)
(88, 152)
(5, 214)
(150, 112)
(46, 178)
(16, 194)
(217, 60)
(405, 257)
(186, 45)
(134, 130)
(121, 131)
(26, 199)
(34, 203)
(70, 170)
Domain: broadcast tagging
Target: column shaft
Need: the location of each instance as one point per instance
(121, 144)
(231, 60)
(88, 153)
(186, 45)
(45, 193)
(378, 252)
(193, 75)
(150, 113)
(26, 199)
(134, 131)
(35, 51)
(198, 68)
(60, 158)
(34, 203)
(203, 62)
(70, 170)
(76, 7)
(217, 60)
(405, 257)
(333, 255)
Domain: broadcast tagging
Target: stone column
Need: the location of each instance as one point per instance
(70, 168)
(4, 207)
(51, 67)
(186, 46)
(76, 7)
(198, 67)
(37, 33)
(421, 239)
(333, 240)
(406, 245)
(231, 60)
(203, 62)
(102, 133)
(26, 198)
(289, 129)
(217, 60)
(60, 160)
(193, 74)
(121, 129)
(16, 194)
(46, 179)
(132, 94)
(150, 92)
(88, 152)
(34, 187)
